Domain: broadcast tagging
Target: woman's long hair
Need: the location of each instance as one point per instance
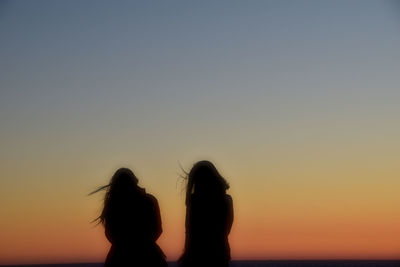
(122, 183)
(205, 180)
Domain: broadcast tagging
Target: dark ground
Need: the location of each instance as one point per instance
(303, 263)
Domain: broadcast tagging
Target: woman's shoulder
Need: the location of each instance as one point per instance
(228, 198)
(152, 199)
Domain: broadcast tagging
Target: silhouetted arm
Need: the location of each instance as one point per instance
(108, 234)
(157, 224)
(230, 214)
(112, 228)
(184, 256)
(188, 226)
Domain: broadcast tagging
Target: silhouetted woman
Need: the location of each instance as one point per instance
(132, 222)
(209, 217)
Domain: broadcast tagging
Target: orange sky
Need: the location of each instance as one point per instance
(294, 215)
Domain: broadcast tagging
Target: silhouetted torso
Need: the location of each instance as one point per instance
(133, 225)
(208, 223)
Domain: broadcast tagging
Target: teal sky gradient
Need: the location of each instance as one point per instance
(169, 69)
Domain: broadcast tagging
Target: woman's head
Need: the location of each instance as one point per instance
(121, 186)
(204, 179)
(122, 180)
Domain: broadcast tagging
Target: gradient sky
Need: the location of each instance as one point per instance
(296, 102)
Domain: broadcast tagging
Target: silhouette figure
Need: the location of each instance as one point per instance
(209, 218)
(132, 223)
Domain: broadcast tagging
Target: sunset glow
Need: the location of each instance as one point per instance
(296, 103)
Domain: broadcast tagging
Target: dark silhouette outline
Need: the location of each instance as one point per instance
(132, 222)
(209, 218)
